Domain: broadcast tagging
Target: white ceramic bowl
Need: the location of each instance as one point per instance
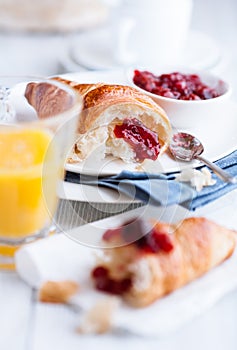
(188, 114)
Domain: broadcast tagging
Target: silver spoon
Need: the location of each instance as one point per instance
(187, 147)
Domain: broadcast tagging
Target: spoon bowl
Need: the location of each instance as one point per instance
(187, 147)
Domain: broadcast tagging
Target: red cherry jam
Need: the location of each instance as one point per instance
(129, 232)
(105, 283)
(155, 241)
(146, 238)
(143, 235)
(184, 140)
(174, 85)
(143, 141)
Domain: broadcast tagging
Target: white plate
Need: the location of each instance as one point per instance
(218, 142)
(92, 50)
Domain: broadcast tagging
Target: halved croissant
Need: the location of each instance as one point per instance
(143, 273)
(104, 107)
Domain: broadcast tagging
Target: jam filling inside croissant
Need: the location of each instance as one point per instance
(143, 141)
(146, 240)
(142, 235)
(105, 283)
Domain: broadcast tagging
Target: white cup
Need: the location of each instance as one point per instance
(150, 32)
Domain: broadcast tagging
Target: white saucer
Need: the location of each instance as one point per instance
(92, 51)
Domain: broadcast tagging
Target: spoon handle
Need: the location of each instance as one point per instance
(218, 171)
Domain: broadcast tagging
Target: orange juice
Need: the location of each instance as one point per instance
(27, 167)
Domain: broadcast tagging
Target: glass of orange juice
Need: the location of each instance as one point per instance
(38, 122)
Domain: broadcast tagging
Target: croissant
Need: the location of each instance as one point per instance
(124, 122)
(163, 260)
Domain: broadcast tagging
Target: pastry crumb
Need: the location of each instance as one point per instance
(98, 319)
(57, 292)
(197, 178)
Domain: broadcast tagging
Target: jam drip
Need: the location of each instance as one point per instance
(143, 141)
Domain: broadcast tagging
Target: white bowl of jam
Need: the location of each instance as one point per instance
(189, 97)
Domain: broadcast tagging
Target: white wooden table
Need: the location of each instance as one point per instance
(26, 324)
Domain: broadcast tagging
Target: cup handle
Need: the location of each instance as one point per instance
(124, 55)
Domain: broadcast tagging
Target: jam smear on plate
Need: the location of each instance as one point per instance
(174, 85)
(143, 141)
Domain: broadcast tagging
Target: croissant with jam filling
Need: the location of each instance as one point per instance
(125, 122)
(143, 268)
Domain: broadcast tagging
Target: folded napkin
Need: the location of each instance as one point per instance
(164, 190)
(59, 258)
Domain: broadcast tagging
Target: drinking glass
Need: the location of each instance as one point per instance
(37, 130)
